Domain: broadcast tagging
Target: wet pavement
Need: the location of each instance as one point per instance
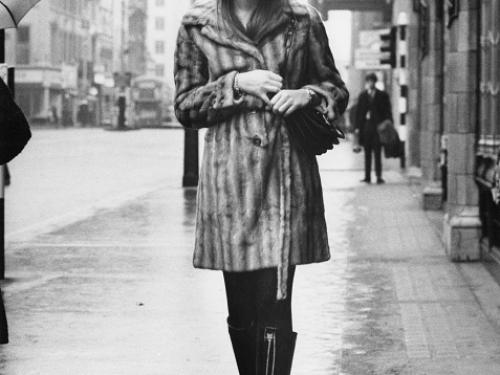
(108, 288)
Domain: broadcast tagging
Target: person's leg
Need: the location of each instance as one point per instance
(269, 310)
(240, 298)
(378, 161)
(241, 320)
(276, 339)
(368, 161)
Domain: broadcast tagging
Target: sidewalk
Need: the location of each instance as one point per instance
(115, 293)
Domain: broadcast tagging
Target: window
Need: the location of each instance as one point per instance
(160, 70)
(159, 23)
(159, 47)
(23, 34)
(23, 45)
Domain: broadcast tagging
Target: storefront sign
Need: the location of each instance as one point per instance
(46, 77)
(31, 76)
(369, 55)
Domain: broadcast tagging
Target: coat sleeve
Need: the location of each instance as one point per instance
(324, 78)
(14, 129)
(200, 102)
(360, 112)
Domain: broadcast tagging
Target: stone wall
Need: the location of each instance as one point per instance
(431, 99)
(460, 115)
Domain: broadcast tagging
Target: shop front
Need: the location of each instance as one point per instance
(47, 94)
(39, 91)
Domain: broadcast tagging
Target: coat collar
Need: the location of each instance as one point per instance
(204, 13)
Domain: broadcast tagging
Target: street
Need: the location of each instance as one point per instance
(100, 279)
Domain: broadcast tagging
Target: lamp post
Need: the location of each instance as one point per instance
(2, 179)
(191, 158)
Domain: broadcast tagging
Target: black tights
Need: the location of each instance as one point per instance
(251, 298)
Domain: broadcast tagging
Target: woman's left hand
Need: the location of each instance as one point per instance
(286, 102)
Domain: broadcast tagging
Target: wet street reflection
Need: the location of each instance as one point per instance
(102, 282)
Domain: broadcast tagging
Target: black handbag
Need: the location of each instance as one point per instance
(308, 127)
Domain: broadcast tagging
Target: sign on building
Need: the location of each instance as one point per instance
(374, 52)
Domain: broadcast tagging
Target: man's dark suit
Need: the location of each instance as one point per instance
(371, 110)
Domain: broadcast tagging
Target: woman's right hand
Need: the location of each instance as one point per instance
(260, 83)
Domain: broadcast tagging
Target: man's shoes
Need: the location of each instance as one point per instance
(366, 180)
(380, 181)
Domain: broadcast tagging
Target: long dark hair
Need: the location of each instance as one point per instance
(265, 14)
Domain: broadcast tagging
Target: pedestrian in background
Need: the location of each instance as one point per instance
(373, 109)
(260, 205)
(14, 134)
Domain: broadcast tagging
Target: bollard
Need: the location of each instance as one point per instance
(190, 178)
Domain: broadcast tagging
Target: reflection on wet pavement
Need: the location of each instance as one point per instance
(116, 293)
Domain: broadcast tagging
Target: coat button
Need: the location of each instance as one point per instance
(256, 141)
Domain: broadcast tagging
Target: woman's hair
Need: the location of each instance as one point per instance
(264, 15)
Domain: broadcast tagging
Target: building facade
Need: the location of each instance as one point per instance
(67, 54)
(456, 109)
(163, 24)
(446, 95)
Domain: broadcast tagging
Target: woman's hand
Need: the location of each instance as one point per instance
(286, 102)
(260, 83)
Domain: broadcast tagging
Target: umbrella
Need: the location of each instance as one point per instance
(12, 11)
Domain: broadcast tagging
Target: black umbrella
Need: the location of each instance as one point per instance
(12, 11)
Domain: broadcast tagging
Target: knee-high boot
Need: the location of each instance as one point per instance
(275, 351)
(244, 347)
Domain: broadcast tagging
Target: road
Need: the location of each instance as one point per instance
(100, 279)
(65, 175)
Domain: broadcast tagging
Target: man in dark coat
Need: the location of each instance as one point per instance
(373, 108)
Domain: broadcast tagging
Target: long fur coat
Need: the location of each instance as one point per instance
(260, 201)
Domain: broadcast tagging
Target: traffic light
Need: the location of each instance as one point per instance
(389, 46)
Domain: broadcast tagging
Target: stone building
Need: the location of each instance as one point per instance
(451, 112)
(454, 142)
(65, 53)
(51, 50)
(137, 47)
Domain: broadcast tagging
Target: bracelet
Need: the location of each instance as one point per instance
(311, 95)
(236, 87)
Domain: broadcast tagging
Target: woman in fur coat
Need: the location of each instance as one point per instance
(241, 67)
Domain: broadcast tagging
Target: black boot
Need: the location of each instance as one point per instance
(275, 351)
(244, 347)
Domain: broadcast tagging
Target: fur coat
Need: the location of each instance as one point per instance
(259, 202)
